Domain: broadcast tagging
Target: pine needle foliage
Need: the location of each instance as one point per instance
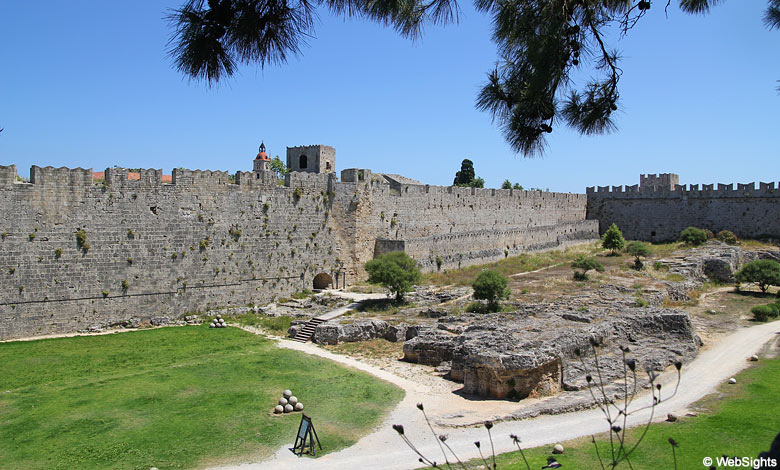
(541, 45)
(613, 239)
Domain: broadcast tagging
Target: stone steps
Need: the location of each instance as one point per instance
(307, 331)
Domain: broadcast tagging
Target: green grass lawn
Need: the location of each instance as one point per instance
(171, 398)
(741, 422)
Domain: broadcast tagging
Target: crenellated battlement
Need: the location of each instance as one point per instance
(666, 180)
(50, 176)
(118, 178)
(7, 175)
(658, 212)
(688, 191)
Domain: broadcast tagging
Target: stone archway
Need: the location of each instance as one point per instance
(322, 281)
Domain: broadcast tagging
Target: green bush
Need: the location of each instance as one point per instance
(491, 286)
(727, 237)
(763, 312)
(693, 236)
(638, 249)
(81, 240)
(585, 264)
(764, 272)
(396, 271)
(613, 239)
(580, 276)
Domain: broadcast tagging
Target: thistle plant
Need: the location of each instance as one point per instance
(617, 410)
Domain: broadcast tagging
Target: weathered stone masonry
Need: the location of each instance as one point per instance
(659, 212)
(202, 241)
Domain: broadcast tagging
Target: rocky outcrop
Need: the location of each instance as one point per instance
(361, 330)
(533, 354)
(714, 261)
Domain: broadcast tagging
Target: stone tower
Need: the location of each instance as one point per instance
(312, 159)
(262, 162)
(661, 180)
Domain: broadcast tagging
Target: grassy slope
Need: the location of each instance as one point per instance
(742, 426)
(171, 398)
(513, 265)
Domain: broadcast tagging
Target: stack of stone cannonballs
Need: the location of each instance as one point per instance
(218, 322)
(288, 403)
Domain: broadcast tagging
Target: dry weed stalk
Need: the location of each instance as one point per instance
(615, 409)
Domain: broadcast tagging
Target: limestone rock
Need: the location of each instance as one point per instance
(295, 327)
(754, 358)
(671, 417)
(299, 406)
(499, 356)
(159, 321)
(292, 400)
(283, 401)
(287, 394)
(288, 408)
(396, 333)
(361, 330)
(732, 380)
(278, 409)
(557, 449)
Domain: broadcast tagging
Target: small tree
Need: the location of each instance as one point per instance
(613, 239)
(477, 182)
(491, 286)
(585, 264)
(638, 249)
(396, 271)
(693, 236)
(279, 167)
(764, 272)
(466, 174)
(506, 184)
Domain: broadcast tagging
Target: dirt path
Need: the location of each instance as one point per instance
(383, 449)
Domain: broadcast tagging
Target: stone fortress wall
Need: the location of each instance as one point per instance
(208, 240)
(659, 208)
(459, 226)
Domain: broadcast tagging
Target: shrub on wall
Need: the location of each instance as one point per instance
(81, 240)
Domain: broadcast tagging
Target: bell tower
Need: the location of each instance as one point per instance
(262, 162)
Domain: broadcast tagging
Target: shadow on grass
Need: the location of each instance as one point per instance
(754, 294)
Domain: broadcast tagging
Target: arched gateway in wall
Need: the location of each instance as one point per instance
(322, 281)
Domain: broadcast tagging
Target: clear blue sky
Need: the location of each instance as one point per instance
(88, 83)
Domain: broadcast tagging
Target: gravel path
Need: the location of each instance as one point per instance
(383, 449)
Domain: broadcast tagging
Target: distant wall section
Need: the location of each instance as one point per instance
(459, 226)
(661, 213)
